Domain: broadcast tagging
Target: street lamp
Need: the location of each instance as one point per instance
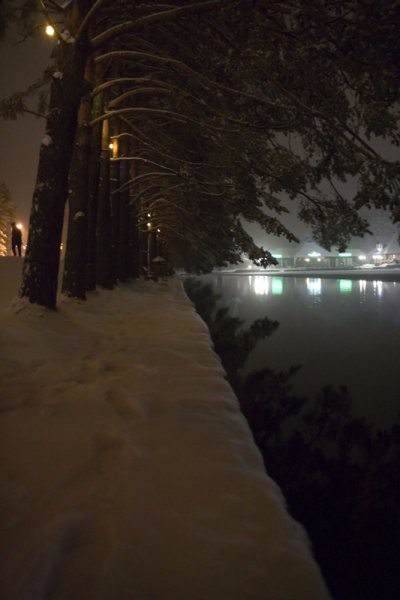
(50, 31)
(113, 146)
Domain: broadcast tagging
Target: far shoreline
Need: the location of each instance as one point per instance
(375, 274)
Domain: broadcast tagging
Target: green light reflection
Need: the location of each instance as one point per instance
(277, 286)
(345, 286)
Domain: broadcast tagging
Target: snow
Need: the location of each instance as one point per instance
(47, 141)
(79, 215)
(128, 470)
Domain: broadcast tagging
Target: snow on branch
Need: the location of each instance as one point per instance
(140, 178)
(86, 20)
(164, 15)
(157, 112)
(111, 83)
(184, 67)
(144, 160)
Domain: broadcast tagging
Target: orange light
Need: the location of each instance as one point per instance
(113, 145)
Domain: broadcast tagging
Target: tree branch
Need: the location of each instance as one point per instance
(165, 15)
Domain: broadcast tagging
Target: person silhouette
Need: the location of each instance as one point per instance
(16, 239)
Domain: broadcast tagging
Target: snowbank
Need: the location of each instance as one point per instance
(128, 470)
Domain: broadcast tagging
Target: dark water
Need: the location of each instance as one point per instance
(341, 331)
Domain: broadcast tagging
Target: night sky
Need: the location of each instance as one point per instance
(20, 65)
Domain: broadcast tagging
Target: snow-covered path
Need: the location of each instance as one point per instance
(128, 471)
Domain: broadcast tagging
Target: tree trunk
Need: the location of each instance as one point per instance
(103, 230)
(114, 200)
(134, 251)
(74, 280)
(93, 182)
(125, 225)
(41, 264)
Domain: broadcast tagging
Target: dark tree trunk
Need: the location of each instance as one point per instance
(93, 182)
(74, 280)
(104, 250)
(125, 225)
(114, 201)
(41, 264)
(134, 246)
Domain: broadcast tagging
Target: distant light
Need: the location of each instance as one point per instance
(113, 145)
(149, 225)
(378, 287)
(260, 285)
(149, 214)
(362, 257)
(50, 31)
(277, 255)
(377, 256)
(318, 259)
(345, 286)
(345, 254)
(277, 286)
(158, 230)
(314, 286)
(19, 226)
(314, 254)
(307, 259)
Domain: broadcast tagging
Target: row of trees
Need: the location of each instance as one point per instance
(215, 110)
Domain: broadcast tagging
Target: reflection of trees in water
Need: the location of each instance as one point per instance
(339, 474)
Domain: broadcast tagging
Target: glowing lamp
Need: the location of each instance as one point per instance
(50, 31)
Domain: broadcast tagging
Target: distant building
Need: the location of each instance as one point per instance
(311, 255)
(391, 251)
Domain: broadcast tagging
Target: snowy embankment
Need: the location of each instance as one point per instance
(127, 468)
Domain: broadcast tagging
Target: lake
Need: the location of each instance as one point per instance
(341, 331)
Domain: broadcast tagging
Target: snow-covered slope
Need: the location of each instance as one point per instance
(128, 471)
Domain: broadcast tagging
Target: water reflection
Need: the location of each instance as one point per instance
(327, 325)
(345, 286)
(378, 288)
(262, 285)
(314, 286)
(265, 285)
(277, 286)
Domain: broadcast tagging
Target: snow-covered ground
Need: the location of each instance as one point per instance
(127, 469)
